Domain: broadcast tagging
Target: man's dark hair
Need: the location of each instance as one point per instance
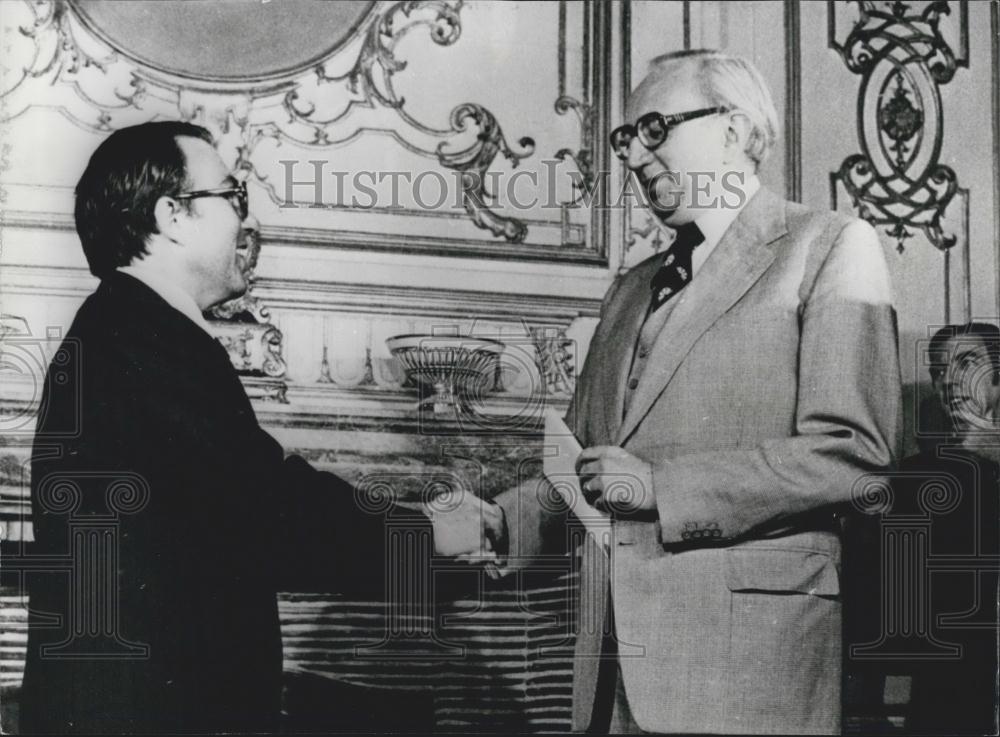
(119, 189)
(990, 335)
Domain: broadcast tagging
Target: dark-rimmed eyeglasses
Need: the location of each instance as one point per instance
(652, 129)
(236, 194)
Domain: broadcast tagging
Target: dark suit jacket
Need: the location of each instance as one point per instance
(956, 492)
(181, 519)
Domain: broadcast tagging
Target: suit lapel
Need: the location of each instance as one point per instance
(739, 260)
(615, 359)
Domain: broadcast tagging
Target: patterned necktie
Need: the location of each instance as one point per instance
(675, 273)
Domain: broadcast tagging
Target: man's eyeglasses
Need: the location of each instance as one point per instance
(653, 129)
(236, 194)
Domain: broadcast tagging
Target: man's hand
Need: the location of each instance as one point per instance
(614, 480)
(466, 527)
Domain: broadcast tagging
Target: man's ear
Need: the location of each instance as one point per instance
(166, 214)
(737, 132)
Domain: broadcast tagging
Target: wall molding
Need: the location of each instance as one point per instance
(422, 302)
(431, 245)
(315, 294)
(370, 299)
(687, 24)
(995, 95)
(793, 102)
(328, 408)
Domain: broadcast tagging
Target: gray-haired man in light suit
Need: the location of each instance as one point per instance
(741, 382)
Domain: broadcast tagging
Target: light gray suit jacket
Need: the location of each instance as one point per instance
(772, 391)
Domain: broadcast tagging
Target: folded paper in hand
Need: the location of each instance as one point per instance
(561, 451)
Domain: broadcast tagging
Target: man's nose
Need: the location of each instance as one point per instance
(638, 155)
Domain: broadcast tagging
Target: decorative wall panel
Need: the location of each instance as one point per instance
(404, 126)
(898, 181)
(905, 53)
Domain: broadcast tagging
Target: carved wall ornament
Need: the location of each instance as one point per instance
(255, 350)
(363, 378)
(473, 162)
(324, 368)
(371, 76)
(584, 157)
(555, 361)
(63, 51)
(897, 181)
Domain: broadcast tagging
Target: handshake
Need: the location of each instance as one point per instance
(466, 527)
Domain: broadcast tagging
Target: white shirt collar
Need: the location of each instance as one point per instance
(714, 223)
(172, 294)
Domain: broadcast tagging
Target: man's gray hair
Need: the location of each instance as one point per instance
(735, 83)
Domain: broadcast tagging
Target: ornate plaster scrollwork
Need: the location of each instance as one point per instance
(584, 158)
(62, 52)
(309, 107)
(898, 181)
(243, 166)
(378, 51)
(65, 52)
(253, 348)
(370, 81)
(237, 343)
(273, 364)
(473, 162)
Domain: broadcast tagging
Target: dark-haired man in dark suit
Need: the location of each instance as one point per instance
(955, 484)
(173, 626)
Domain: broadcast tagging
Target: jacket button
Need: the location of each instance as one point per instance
(633, 383)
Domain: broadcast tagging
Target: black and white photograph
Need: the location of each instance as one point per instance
(500, 367)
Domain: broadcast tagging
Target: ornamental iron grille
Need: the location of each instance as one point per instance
(897, 181)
